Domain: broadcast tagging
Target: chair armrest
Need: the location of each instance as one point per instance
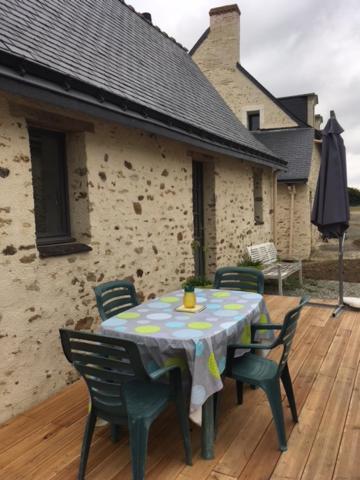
(162, 371)
(266, 326)
(233, 347)
(249, 346)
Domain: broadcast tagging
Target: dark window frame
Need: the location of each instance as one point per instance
(258, 196)
(48, 238)
(60, 243)
(250, 118)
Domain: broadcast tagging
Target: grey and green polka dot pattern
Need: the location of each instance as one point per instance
(195, 342)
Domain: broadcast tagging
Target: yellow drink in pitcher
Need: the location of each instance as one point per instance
(189, 297)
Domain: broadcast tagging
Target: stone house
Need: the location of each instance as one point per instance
(287, 126)
(118, 159)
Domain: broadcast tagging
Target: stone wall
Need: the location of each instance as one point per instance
(301, 235)
(305, 235)
(131, 200)
(235, 219)
(239, 92)
(314, 173)
(243, 95)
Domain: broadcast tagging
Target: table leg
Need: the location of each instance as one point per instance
(207, 429)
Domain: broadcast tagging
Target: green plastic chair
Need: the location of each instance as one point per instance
(115, 297)
(123, 393)
(265, 373)
(239, 278)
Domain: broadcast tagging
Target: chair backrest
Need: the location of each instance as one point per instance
(106, 364)
(115, 297)
(239, 278)
(265, 253)
(288, 330)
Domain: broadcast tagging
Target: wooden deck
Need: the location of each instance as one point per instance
(44, 443)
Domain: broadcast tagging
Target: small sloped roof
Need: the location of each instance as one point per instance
(294, 145)
(106, 44)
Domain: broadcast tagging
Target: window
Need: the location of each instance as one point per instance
(258, 196)
(50, 186)
(253, 120)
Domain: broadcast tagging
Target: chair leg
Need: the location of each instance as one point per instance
(239, 392)
(286, 380)
(115, 433)
(273, 394)
(138, 432)
(88, 433)
(184, 425)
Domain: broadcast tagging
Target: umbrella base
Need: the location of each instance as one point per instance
(336, 312)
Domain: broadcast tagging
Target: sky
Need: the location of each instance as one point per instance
(291, 47)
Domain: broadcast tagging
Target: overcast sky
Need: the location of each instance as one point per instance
(291, 47)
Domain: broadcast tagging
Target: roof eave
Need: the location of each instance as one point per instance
(293, 180)
(19, 83)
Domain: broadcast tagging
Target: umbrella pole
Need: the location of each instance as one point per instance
(341, 276)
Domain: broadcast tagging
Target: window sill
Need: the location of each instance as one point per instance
(258, 223)
(58, 249)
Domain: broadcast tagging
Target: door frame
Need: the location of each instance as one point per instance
(198, 218)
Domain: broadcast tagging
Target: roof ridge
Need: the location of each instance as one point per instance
(199, 41)
(297, 95)
(130, 7)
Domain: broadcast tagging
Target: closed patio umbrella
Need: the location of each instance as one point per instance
(331, 211)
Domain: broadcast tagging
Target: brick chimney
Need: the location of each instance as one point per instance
(225, 35)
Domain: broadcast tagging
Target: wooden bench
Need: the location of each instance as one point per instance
(274, 269)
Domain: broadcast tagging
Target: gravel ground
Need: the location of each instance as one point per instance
(316, 289)
(321, 272)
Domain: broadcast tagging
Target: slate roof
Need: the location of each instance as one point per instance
(298, 104)
(107, 45)
(294, 145)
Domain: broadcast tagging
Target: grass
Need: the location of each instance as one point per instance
(197, 282)
(247, 262)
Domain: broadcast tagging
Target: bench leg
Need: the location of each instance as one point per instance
(280, 282)
(301, 275)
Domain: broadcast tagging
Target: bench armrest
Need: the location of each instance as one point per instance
(289, 260)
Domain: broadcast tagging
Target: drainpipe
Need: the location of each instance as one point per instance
(275, 175)
(292, 192)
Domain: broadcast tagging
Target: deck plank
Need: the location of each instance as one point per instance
(347, 466)
(44, 443)
(323, 455)
(257, 437)
(292, 463)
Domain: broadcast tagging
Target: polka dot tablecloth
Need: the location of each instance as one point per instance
(197, 342)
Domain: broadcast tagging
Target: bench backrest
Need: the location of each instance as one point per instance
(265, 253)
